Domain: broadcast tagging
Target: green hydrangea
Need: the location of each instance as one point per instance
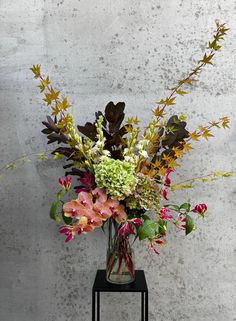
(116, 176)
(146, 195)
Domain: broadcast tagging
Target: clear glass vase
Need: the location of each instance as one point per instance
(120, 257)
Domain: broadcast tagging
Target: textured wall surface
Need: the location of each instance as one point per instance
(97, 51)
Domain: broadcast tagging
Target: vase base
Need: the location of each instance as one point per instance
(120, 279)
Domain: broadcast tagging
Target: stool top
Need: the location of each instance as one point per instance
(102, 285)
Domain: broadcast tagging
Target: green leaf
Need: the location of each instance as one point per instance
(53, 212)
(189, 225)
(67, 220)
(185, 206)
(57, 156)
(42, 156)
(181, 92)
(162, 227)
(175, 207)
(175, 187)
(11, 166)
(147, 230)
(145, 217)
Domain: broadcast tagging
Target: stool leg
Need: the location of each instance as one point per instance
(98, 306)
(146, 306)
(93, 306)
(142, 306)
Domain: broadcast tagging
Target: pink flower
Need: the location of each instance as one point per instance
(200, 209)
(151, 247)
(68, 232)
(72, 208)
(164, 216)
(166, 180)
(125, 229)
(100, 194)
(118, 212)
(86, 179)
(160, 242)
(90, 210)
(181, 223)
(86, 199)
(136, 221)
(165, 194)
(66, 184)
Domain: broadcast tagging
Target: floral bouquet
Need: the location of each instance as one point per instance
(121, 175)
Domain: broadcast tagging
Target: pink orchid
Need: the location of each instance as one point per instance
(165, 194)
(103, 210)
(91, 209)
(100, 194)
(164, 216)
(118, 211)
(66, 183)
(166, 180)
(72, 208)
(86, 199)
(200, 209)
(126, 229)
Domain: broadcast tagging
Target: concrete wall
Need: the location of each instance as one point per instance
(97, 51)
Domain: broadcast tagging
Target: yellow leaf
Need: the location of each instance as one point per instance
(158, 112)
(181, 92)
(194, 136)
(36, 70)
(225, 122)
(167, 102)
(172, 164)
(207, 59)
(177, 151)
(54, 94)
(187, 147)
(214, 124)
(133, 120)
(157, 164)
(166, 158)
(206, 134)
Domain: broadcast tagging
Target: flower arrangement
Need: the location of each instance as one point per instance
(121, 171)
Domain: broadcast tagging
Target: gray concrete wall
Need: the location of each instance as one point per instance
(98, 51)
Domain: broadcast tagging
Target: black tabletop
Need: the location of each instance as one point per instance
(102, 285)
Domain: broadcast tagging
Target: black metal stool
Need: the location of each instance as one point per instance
(101, 285)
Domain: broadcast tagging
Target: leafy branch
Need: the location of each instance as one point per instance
(213, 46)
(188, 183)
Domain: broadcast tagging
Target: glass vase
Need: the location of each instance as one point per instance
(120, 257)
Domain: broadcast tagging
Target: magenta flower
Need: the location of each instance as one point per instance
(160, 242)
(66, 183)
(126, 229)
(86, 179)
(200, 209)
(166, 180)
(88, 182)
(164, 216)
(68, 232)
(151, 247)
(136, 221)
(165, 194)
(181, 223)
